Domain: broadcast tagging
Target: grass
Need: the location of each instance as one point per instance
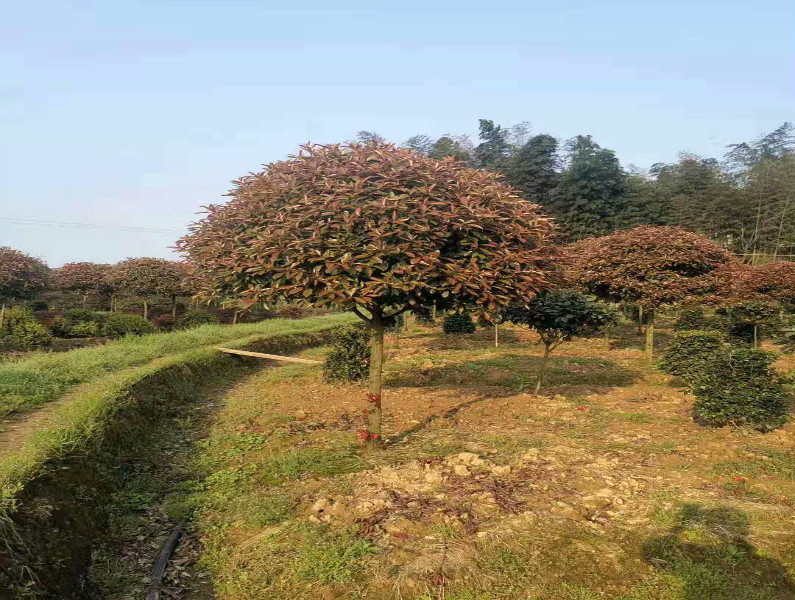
(105, 424)
(315, 517)
(43, 377)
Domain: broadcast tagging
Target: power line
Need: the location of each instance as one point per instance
(97, 226)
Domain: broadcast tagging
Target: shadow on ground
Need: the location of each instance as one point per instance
(511, 374)
(482, 338)
(708, 549)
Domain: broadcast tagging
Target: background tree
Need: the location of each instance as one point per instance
(84, 277)
(651, 266)
(149, 277)
(534, 168)
(494, 150)
(590, 197)
(21, 277)
(376, 230)
(558, 314)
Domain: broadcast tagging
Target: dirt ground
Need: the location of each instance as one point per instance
(600, 487)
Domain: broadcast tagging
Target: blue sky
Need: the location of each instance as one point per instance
(137, 113)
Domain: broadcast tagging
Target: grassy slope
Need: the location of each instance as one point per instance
(43, 377)
(610, 491)
(84, 415)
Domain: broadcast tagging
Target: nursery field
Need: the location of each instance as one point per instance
(600, 487)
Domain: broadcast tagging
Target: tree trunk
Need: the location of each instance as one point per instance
(2, 316)
(496, 335)
(756, 337)
(174, 308)
(234, 318)
(640, 320)
(433, 313)
(542, 369)
(372, 434)
(85, 299)
(146, 308)
(650, 337)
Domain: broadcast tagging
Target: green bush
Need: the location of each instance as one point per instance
(60, 327)
(85, 329)
(690, 353)
(458, 323)
(348, 359)
(120, 324)
(741, 388)
(751, 320)
(84, 315)
(21, 330)
(194, 318)
(692, 319)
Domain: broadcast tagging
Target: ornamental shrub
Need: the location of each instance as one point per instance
(458, 323)
(750, 320)
(120, 324)
(78, 315)
(741, 388)
(690, 353)
(195, 318)
(692, 319)
(21, 330)
(85, 329)
(348, 358)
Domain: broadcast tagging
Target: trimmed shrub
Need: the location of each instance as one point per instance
(458, 323)
(60, 327)
(348, 359)
(741, 388)
(120, 324)
(82, 315)
(690, 353)
(85, 329)
(21, 330)
(692, 319)
(194, 318)
(751, 320)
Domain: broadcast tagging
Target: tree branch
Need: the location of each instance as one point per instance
(360, 314)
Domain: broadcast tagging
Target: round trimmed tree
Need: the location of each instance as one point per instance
(149, 277)
(21, 277)
(649, 265)
(85, 278)
(558, 314)
(378, 231)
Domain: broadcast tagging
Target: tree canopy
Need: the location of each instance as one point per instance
(85, 277)
(649, 265)
(21, 275)
(377, 230)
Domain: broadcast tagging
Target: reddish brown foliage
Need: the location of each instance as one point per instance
(147, 277)
(21, 275)
(372, 226)
(649, 265)
(84, 277)
(735, 283)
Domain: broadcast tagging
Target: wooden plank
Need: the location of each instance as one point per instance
(305, 361)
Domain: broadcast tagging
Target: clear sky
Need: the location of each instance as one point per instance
(135, 114)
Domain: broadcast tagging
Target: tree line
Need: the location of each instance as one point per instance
(744, 201)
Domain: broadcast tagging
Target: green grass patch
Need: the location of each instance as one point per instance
(46, 376)
(767, 462)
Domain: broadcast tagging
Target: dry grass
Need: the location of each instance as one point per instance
(602, 487)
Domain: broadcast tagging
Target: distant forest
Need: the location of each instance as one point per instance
(744, 200)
